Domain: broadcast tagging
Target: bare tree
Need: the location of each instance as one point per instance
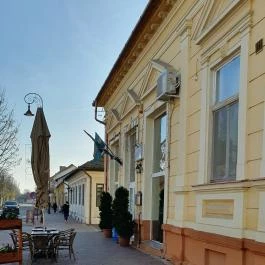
(8, 187)
(8, 137)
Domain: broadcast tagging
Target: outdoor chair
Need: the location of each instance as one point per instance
(42, 244)
(64, 235)
(13, 236)
(64, 241)
(27, 244)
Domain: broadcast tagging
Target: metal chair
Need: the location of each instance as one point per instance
(27, 244)
(64, 241)
(42, 244)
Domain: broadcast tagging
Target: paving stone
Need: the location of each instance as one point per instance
(91, 248)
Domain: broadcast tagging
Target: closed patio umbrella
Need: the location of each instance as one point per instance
(40, 158)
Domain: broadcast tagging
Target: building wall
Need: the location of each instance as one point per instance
(87, 213)
(97, 178)
(59, 195)
(186, 42)
(77, 210)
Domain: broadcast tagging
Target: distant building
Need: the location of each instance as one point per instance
(85, 186)
(58, 190)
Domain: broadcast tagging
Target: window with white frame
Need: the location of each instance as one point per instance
(99, 190)
(160, 137)
(225, 121)
(75, 194)
(115, 167)
(131, 142)
(83, 194)
(79, 194)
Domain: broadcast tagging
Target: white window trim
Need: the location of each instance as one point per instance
(132, 186)
(217, 106)
(157, 109)
(113, 182)
(206, 122)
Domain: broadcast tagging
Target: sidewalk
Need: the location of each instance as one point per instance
(91, 248)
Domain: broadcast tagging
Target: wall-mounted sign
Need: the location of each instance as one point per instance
(138, 152)
(138, 198)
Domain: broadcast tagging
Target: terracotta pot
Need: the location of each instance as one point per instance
(10, 223)
(107, 233)
(9, 257)
(124, 242)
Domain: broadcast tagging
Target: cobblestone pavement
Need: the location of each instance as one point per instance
(91, 248)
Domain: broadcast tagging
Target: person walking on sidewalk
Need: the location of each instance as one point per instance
(66, 211)
(54, 206)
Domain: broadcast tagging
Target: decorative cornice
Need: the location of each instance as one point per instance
(153, 16)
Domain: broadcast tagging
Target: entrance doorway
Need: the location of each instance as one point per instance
(157, 208)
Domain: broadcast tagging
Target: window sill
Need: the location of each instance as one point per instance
(236, 185)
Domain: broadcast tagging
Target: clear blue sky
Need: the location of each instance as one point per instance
(62, 50)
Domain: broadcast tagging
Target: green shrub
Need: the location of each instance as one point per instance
(122, 218)
(105, 211)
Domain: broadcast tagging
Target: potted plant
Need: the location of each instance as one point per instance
(105, 213)
(122, 218)
(10, 220)
(8, 254)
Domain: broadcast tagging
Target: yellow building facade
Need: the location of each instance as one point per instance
(184, 106)
(86, 184)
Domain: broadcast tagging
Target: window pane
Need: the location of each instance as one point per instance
(225, 135)
(83, 194)
(132, 156)
(233, 134)
(228, 80)
(219, 143)
(115, 163)
(79, 193)
(99, 190)
(160, 143)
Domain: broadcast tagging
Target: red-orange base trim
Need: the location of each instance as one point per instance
(187, 246)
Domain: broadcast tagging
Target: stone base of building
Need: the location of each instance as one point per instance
(185, 246)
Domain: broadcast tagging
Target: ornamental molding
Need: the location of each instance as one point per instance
(213, 12)
(153, 16)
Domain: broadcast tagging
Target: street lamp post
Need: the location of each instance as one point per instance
(31, 98)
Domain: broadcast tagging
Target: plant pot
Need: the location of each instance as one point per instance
(107, 233)
(124, 242)
(9, 257)
(10, 223)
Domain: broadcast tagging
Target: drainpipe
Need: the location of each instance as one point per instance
(94, 104)
(90, 195)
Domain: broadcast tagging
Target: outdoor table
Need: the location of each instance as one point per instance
(42, 239)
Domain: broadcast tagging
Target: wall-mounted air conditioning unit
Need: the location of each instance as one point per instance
(168, 85)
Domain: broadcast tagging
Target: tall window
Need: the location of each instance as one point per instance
(75, 194)
(225, 121)
(131, 142)
(114, 168)
(83, 194)
(99, 190)
(160, 137)
(79, 194)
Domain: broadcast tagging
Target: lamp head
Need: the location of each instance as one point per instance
(28, 112)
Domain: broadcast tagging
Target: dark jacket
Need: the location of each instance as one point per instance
(66, 209)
